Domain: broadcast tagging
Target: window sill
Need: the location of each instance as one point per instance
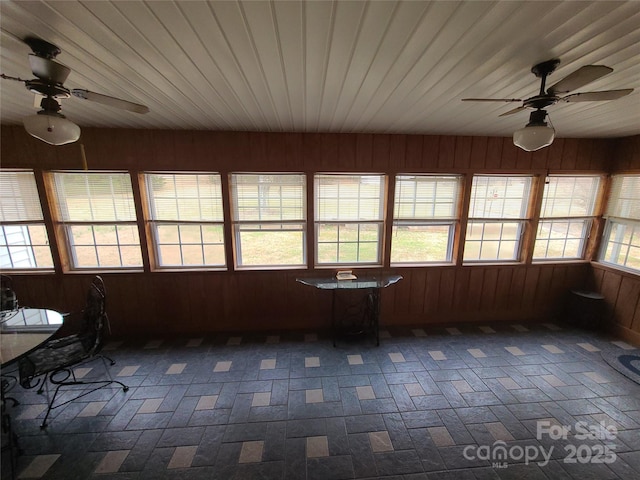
(422, 265)
(101, 271)
(32, 271)
(269, 268)
(616, 269)
(559, 261)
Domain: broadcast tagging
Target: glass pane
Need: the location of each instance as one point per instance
(327, 253)
(81, 235)
(213, 234)
(169, 255)
(348, 253)
(131, 256)
(105, 235)
(85, 257)
(214, 255)
(192, 255)
(492, 241)
(167, 233)
(128, 234)
(271, 248)
(190, 234)
(109, 256)
(42, 257)
(327, 233)
(420, 243)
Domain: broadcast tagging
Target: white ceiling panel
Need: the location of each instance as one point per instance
(321, 66)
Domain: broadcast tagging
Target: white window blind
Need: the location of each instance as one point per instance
(426, 197)
(349, 197)
(185, 197)
(268, 197)
(624, 198)
(95, 197)
(499, 197)
(19, 200)
(569, 196)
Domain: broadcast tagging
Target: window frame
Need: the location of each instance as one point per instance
(452, 221)
(626, 221)
(522, 221)
(64, 227)
(586, 220)
(238, 225)
(26, 224)
(380, 222)
(153, 223)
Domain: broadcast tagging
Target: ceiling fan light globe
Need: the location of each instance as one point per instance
(51, 129)
(534, 137)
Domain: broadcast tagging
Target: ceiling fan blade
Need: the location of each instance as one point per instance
(491, 100)
(109, 101)
(515, 110)
(597, 96)
(580, 77)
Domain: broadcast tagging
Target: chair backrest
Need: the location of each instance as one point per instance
(8, 299)
(95, 316)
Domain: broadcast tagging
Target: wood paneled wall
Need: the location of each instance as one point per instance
(621, 289)
(164, 303)
(139, 150)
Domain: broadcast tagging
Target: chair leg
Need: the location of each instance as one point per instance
(59, 384)
(112, 362)
(13, 446)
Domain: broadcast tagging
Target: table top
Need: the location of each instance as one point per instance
(25, 329)
(362, 282)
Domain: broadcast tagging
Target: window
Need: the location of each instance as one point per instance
(349, 213)
(621, 239)
(497, 214)
(565, 220)
(269, 220)
(97, 213)
(24, 243)
(186, 219)
(425, 213)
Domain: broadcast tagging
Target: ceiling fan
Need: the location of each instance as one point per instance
(49, 125)
(537, 134)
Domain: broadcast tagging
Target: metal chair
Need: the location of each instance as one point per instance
(54, 361)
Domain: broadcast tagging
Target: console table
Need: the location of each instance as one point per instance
(368, 321)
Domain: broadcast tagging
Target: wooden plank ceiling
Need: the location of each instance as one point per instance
(321, 66)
